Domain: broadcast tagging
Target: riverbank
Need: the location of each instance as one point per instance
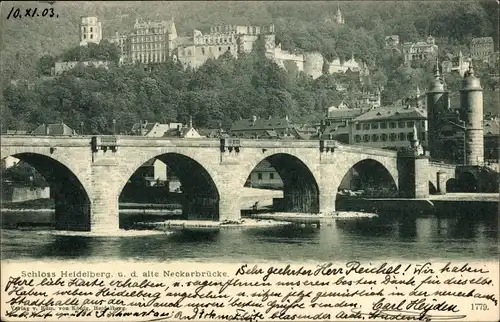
(450, 204)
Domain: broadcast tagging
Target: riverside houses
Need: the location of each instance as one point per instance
(389, 127)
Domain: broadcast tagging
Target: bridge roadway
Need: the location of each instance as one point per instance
(88, 173)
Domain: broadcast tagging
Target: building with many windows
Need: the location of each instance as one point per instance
(419, 51)
(389, 127)
(151, 41)
(221, 39)
(481, 48)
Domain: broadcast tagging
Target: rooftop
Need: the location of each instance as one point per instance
(261, 124)
(392, 113)
(53, 129)
(481, 40)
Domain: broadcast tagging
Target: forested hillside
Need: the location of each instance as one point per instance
(225, 89)
(298, 24)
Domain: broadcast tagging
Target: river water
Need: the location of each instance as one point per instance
(388, 237)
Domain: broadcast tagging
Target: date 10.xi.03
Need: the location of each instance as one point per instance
(17, 13)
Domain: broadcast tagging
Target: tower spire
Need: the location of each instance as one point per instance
(436, 68)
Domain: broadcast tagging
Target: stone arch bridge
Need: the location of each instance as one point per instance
(88, 173)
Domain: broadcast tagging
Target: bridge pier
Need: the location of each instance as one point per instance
(413, 175)
(229, 207)
(105, 208)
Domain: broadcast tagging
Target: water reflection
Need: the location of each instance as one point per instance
(389, 236)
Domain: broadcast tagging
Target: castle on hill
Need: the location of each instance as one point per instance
(158, 42)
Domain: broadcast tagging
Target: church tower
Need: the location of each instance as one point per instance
(339, 19)
(437, 108)
(471, 111)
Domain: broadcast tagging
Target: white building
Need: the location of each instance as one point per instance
(90, 31)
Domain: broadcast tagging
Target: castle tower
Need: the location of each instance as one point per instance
(90, 31)
(471, 108)
(437, 107)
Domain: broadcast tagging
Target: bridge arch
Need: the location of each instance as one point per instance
(199, 189)
(370, 175)
(68, 188)
(300, 184)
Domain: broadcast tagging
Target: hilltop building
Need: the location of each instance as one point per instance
(158, 42)
(152, 41)
(222, 38)
(90, 31)
(419, 51)
(455, 64)
(482, 48)
(121, 41)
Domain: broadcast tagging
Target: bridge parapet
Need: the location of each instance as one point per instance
(45, 141)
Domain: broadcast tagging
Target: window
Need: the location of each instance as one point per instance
(358, 126)
(423, 124)
(271, 176)
(402, 136)
(375, 137)
(84, 29)
(91, 36)
(392, 125)
(392, 137)
(410, 136)
(410, 124)
(366, 126)
(383, 125)
(91, 29)
(401, 125)
(383, 137)
(259, 176)
(229, 48)
(422, 136)
(220, 48)
(203, 51)
(84, 36)
(374, 125)
(357, 138)
(366, 138)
